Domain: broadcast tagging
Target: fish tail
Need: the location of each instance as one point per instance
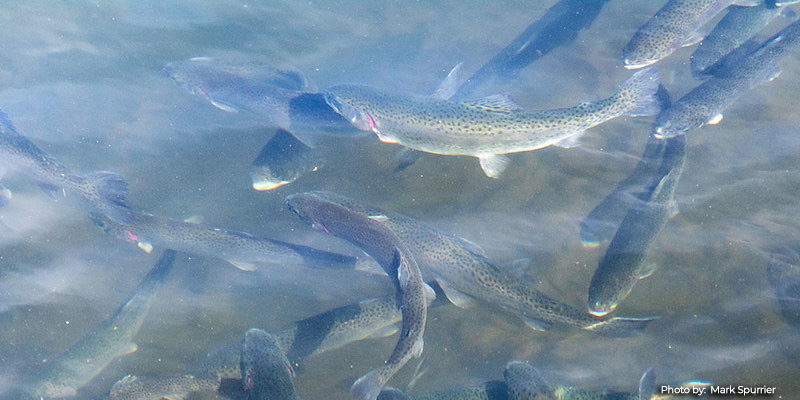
(638, 93)
(368, 387)
(111, 190)
(619, 327)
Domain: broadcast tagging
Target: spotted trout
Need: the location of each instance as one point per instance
(485, 128)
(398, 262)
(112, 338)
(245, 251)
(465, 274)
(623, 264)
(266, 372)
(675, 25)
(738, 26)
(731, 79)
(103, 191)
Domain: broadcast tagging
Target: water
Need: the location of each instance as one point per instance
(83, 80)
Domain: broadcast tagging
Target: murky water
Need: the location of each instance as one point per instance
(83, 80)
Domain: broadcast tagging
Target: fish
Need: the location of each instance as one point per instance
(102, 191)
(279, 98)
(486, 128)
(243, 250)
(266, 372)
(676, 24)
(413, 295)
(369, 318)
(525, 382)
(558, 27)
(602, 222)
(738, 26)
(282, 161)
(112, 338)
(705, 103)
(623, 263)
(783, 274)
(176, 386)
(464, 273)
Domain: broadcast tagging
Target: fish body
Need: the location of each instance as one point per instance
(282, 160)
(738, 26)
(602, 222)
(676, 24)
(464, 273)
(398, 262)
(266, 372)
(730, 80)
(485, 128)
(278, 97)
(110, 339)
(241, 249)
(160, 387)
(783, 274)
(104, 191)
(623, 264)
(327, 331)
(558, 27)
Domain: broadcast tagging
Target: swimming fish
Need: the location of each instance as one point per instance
(369, 318)
(485, 128)
(104, 191)
(110, 339)
(521, 382)
(160, 387)
(705, 103)
(241, 249)
(676, 24)
(398, 262)
(783, 274)
(738, 26)
(465, 273)
(558, 27)
(602, 222)
(278, 97)
(282, 161)
(266, 372)
(623, 264)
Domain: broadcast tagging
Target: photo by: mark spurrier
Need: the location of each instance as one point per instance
(708, 389)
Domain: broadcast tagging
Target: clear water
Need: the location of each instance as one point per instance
(83, 80)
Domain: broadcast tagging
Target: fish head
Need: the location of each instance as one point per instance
(112, 228)
(673, 122)
(601, 307)
(354, 102)
(308, 206)
(266, 372)
(645, 49)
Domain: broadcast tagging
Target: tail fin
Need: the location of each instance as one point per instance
(619, 327)
(639, 92)
(109, 190)
(368, 387)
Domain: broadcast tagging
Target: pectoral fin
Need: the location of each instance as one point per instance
(535, 324)
(456, 297)
(715, 119)
(647, 270)
(243, 265)
(493, 164)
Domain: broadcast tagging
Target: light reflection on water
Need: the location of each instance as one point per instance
(84, 81)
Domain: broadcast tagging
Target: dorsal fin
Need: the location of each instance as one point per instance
(449, 85)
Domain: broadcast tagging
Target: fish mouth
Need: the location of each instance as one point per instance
(600, 309)
(359, 118)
